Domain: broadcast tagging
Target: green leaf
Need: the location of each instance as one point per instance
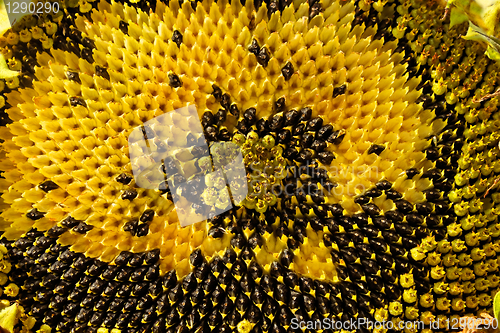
(457, 16)
(5, 72)
(8, 317)
(493, 54)
(475, 33)
(484, 22)
(491, 15)
(4, 18)
(496, 306)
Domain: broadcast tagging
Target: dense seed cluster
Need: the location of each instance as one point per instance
(132, 297)
(375, 113)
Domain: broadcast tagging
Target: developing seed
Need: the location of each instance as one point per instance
(287, 71)
(102, 72)
(123, 26)
(254, 47)
(174, 81)
(48, 186)
(177, 38)
(263, 57)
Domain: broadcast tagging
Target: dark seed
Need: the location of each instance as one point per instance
(277, 270)
(325, 131)
(225, 101)
(142, 230)
(123, 258)
(212, 133)
(319, 145)
(87, 42)
(34, 214)
(102, 72)
(124, 179)
(73, 76)
(87, 55)
(290, 153)
(305, 114)
(250, 115)
(216, 232)
(276, 122)
(253, 314)
(75, 101)
(410, 173)
(284, 136)
(287, 257)
(267, 283)
(432, 154)
(279, 105)
(254, 47)
(174, 81)
(307, 140)
(392, 194)
(238, 241)
(326, 157)
(373, 193)
(207, 119)
(123, 26)
(298, 130)
(137, 259)
(336, 137)
(129, 195)
(285, 316)
(306, 155)
(376, 149)
(234, 110)
(69, 222)
(131, 227)
(56, 231)
(262, 126)
(177, 38)
(404, 206)
(378, 245)
(287, 71)
(433, 174)
(189, 282)
(263, 56)
(83, 228)
(147, 216)
(233, 318)
(371, 209)
(339, 90)
(362, 200)
(315, 10)
(382, 223)
(220, 117)
(423, 208)
(328, 185)
(291, 117)
(217, 93)
(273, 7)
(196, 258)
(314, 124)
(34, 252)
(432, 195)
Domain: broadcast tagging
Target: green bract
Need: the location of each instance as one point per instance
(484, 21)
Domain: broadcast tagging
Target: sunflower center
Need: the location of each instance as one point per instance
(266, 167)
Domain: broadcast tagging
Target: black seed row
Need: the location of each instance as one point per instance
(73, 293)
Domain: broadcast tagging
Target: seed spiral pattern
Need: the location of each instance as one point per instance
(370, 115)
